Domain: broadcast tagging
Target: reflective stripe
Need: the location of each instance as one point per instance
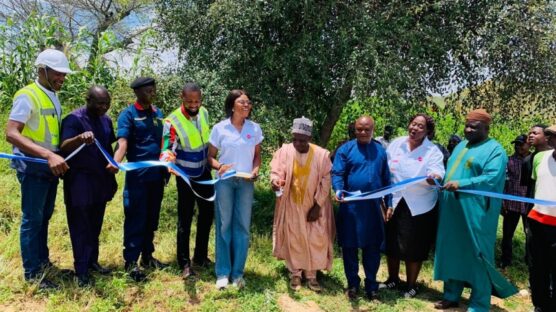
(47, 133)
(48, 111)
(191, 139)
(190, 164)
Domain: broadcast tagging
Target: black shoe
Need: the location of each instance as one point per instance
(50, 267)
(505, 264)
(371, 295)
(135, 272)
(206, 263)
(96, 267)
(84, 280)
(46, 284)
(47, 265)
(351, 293)
(445, 304)
(410, 292)
(389, 284)
(152, 263)
(187, 272)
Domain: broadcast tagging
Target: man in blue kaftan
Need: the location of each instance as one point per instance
(361, 165)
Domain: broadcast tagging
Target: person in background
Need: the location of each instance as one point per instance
(237, 141)
(386, 137)
(538, 140)
(351, 136)
(441, 148)
(411, 225)
(186, 138)
(361, 165)
(453, 141)
(512, 211)
(90, 183)
(303, 229)
(542, 226)
(33, 129)
(139, 136)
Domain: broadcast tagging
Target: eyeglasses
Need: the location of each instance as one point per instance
(244, 102)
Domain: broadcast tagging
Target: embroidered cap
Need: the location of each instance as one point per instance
(302, 126)
(480, 115)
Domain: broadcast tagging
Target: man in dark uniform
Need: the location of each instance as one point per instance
(139, 137)
(90, 183)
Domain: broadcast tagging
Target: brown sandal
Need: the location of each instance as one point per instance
(295, 283)
(313, 285)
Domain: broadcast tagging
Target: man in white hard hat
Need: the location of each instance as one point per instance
(33, 129)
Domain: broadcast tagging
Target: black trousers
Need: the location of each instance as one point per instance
(186, 210)
(142, 201)
(511, 219)
(542, 271)
(84, 225)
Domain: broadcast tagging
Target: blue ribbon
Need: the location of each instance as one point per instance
(534, 201)
(24, 158)
(354, 196)
(130, 166)
(379, 193)
(38, 160)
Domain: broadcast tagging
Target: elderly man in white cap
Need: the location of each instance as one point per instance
(304, 228)
(34, 130)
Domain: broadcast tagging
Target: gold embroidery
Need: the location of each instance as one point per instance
(469, 162)
(456, 163)
(300, 177)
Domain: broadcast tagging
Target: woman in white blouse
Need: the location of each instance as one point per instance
(411, 225)
(237, 141)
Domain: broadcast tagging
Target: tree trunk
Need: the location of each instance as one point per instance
(93, 51)
(333, 115)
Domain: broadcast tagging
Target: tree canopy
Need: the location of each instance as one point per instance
(311, 57)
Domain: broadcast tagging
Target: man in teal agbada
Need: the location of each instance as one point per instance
(467, 223)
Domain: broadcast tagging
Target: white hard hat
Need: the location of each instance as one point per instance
(55, 60)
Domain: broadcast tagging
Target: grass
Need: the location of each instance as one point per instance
(267, 281)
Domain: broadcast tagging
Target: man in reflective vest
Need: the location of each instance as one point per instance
(34, 130)
(186, 133)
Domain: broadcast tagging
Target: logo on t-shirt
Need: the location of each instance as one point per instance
(248, 136)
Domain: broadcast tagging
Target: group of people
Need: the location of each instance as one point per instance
(73, 148)
(404, 224)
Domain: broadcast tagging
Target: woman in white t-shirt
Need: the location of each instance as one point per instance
(237, 141)
(411, 225)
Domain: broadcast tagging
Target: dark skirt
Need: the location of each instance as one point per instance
(410, 238)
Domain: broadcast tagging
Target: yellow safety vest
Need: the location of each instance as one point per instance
(190, 138)
(47, 133)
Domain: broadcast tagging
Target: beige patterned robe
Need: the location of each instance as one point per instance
(303, 245)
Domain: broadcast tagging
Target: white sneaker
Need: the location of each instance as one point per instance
(239, 283)
(222, 283)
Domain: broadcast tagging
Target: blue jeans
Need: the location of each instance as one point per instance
(38, 195)
(234, 200)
